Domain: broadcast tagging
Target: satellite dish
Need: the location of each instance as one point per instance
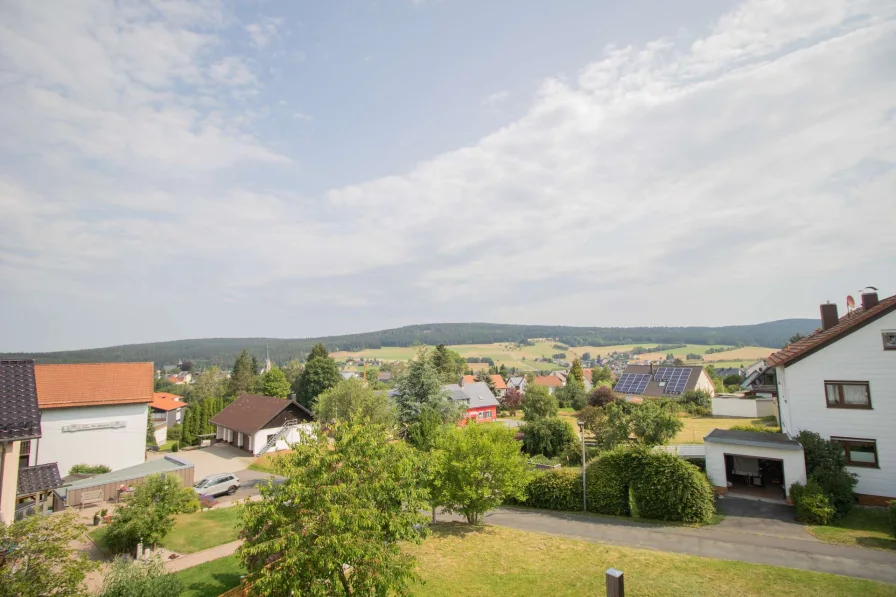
(850, 303)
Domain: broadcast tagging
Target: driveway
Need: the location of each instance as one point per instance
(760, 518)
(218, 458)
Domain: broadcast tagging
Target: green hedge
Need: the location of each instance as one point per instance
(666, 487)
(608, 480)
(755, 428)
(555, 490)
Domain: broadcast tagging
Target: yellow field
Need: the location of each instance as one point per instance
(523, 357)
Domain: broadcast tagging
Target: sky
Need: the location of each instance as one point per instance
(174, 169)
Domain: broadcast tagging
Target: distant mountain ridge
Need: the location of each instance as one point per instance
(223, 351)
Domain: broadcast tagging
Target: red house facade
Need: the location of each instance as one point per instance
(480, 403)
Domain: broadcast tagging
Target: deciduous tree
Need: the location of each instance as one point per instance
(647, 424)
(292, 370)
(336, 525)
(575, 373)
(37, 560)
(538, 402)
(486, 378)
(274, 383)
(142, 578)
(511, 401)
(550, 437)
(601, 396)
(601, 376)
(207, 384)
(479, 466)
(149, 515)
(352, 401)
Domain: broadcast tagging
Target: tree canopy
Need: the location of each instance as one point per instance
(421, 387)
(142, 578)
(335, 525)
(647, 424)
(448, 364)
(352, 401)
(244, 377)
(479, 466)
(486, 378)
(42, 561)
(274, 383)
(319, 375)
(538, 402)
(575, 373)
(149, 515)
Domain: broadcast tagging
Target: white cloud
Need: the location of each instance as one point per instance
(678, 182)
(264, 31)
(493, 100)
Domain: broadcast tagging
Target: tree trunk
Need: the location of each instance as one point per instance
(433, 514)
(344, 581)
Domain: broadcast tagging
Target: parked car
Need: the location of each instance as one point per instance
(217, 485)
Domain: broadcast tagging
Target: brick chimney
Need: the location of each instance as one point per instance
(829, 316)
(869, 300)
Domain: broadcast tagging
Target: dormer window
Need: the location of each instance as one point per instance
(889, 338)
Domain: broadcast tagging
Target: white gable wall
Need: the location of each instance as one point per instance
(261, 438)
(116, 447)
(858, 356)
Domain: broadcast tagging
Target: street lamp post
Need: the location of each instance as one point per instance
(584, 468)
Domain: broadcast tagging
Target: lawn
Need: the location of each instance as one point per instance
(696, 428)
(510, 563)
(265, 463)
(192, 532)
(863, 527)
(212, 578)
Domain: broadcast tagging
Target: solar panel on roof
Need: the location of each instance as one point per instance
(632, 383)
(676, 380)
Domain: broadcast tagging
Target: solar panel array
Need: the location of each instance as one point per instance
(676, 378)
(632, 383)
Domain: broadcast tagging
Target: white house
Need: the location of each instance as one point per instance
(840, 382)
(92, 413)
(250, 421)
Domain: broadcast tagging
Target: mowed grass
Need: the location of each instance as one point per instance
(510, 563)
(212, 578)
(192, 532)
(863, 527)
(696, 428)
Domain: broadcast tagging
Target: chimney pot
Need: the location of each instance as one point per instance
(829, 317)
(869, 300)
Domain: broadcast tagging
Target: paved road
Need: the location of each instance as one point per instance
(736, 540)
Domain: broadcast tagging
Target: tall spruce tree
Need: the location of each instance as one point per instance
(320, 374)
(243, 378)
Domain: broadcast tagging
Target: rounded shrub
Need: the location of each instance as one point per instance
(811, 504)
(667, 487)
(175, 447)
(608, 482)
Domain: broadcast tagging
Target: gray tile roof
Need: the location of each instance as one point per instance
(150, 467)
(34, 479)
(477, 394)
(753, 438)
(19, 414)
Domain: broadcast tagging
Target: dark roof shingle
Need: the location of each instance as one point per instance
(847, 324)
(19, 413)
(250, 412)
(34, 479)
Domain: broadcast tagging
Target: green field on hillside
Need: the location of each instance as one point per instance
(522, 357)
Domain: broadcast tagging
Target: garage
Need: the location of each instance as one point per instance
(754, 464)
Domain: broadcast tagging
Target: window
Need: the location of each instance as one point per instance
(177, 416)
(859, 452)
(488, 414)
(847, 394)
(480, 415)
(889, 337)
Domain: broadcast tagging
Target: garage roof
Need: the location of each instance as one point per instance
(168, 464)
(753, 438)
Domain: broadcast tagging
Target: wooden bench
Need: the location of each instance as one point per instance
(91, 498)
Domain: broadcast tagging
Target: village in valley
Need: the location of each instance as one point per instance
(507, 431)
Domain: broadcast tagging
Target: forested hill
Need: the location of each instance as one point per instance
(223, 351)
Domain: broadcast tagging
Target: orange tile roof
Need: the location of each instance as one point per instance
(847, 324)
(468, 379)
(93, 384)
(499, 382)
(551, 381)
(166, 401)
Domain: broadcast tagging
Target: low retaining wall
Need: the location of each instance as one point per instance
(749, 408)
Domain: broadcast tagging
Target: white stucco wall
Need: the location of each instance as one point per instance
(261, 438)
(705, 383)
(743, 407)
(857, 357)
(161, 435)
(794, 462)
(116, 448)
